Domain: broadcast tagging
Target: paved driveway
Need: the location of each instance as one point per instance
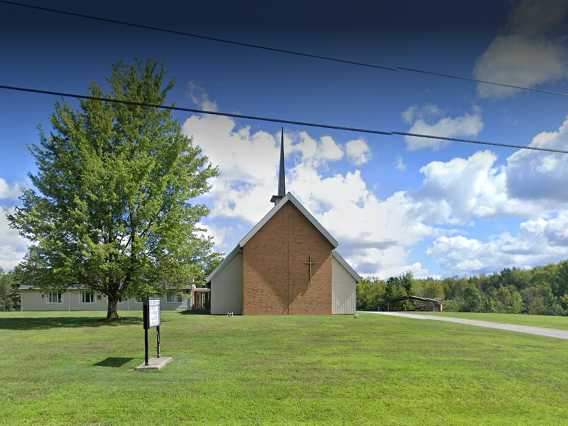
(539, 331)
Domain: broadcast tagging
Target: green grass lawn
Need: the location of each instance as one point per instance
(72, 368)
(547, 321)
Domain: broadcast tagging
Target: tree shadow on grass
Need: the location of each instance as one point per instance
(114, 362)
(200, 312)
(63, 322)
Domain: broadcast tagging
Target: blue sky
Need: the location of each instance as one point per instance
(394, 204)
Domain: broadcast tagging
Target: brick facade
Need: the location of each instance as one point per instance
(275, 276)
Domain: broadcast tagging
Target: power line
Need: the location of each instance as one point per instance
(273, 119)
(476, 80)
(195, 35)
(277, 49)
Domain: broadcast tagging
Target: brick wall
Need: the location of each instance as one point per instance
(275, 278)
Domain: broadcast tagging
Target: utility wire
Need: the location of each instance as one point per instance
(276, 49)
(194, 35)
(273, 119)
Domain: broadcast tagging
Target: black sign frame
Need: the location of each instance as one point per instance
(146, 320)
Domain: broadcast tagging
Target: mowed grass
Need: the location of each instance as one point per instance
(548, 321)
(72, 368)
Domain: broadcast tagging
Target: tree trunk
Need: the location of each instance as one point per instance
(112, 308)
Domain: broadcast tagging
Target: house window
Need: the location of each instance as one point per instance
(87, 297)
(54, 297)
(173, 298)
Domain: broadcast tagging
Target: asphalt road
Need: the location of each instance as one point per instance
(538, 331)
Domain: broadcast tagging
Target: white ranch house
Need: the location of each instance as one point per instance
(82, 299)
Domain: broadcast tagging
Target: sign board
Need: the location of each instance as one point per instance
(153, 313)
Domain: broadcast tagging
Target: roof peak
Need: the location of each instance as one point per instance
(280, 202)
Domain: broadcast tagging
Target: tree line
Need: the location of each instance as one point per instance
(541, 290)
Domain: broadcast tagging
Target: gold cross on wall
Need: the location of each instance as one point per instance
(310, 262)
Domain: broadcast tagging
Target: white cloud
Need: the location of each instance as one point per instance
(13, 247)
(399, 164)
(9, 192)
(248, 163)
(539, 241)
(358, 151)
(416, 112)
(385, 263)
(530, 184)
(467, 125)
(377, 234)
(217, 233)
(525, 54)
(533, 175)
(456, 190)
(354, 214)
(330, 150)
(374, 233)
(343, 203)
(312, 150)
(200, 97)
(520, 61)
(554, 229)
(459, 190)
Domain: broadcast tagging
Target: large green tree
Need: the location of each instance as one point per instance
(111, 208)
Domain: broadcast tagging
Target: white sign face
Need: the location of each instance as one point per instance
(153, 312)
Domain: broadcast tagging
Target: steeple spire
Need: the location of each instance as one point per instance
(281, 174)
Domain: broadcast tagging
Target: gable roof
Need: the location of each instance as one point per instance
(224, 263)
(346, 265)
(288, 198)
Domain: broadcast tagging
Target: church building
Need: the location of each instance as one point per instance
(287, 264)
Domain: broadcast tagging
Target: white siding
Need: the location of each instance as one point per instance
(35, 300)
(227, 288)
(343, 289)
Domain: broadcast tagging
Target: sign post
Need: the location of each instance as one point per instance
(151, 315)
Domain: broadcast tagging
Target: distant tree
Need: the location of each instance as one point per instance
(453, 305)
(429, 287)
(407, 281)
(112, 206)
(511, 277)
(540, 290)
(208, 264)
(560, 280)
(539, 299)
(363, 291)
(370, 294)
(509, 300)
(397, 288)
(472, 299)
(490, 302)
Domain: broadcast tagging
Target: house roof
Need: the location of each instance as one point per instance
(224, 263)
(77, 288)
(346, 265)
(423, 299)
(288, 198)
